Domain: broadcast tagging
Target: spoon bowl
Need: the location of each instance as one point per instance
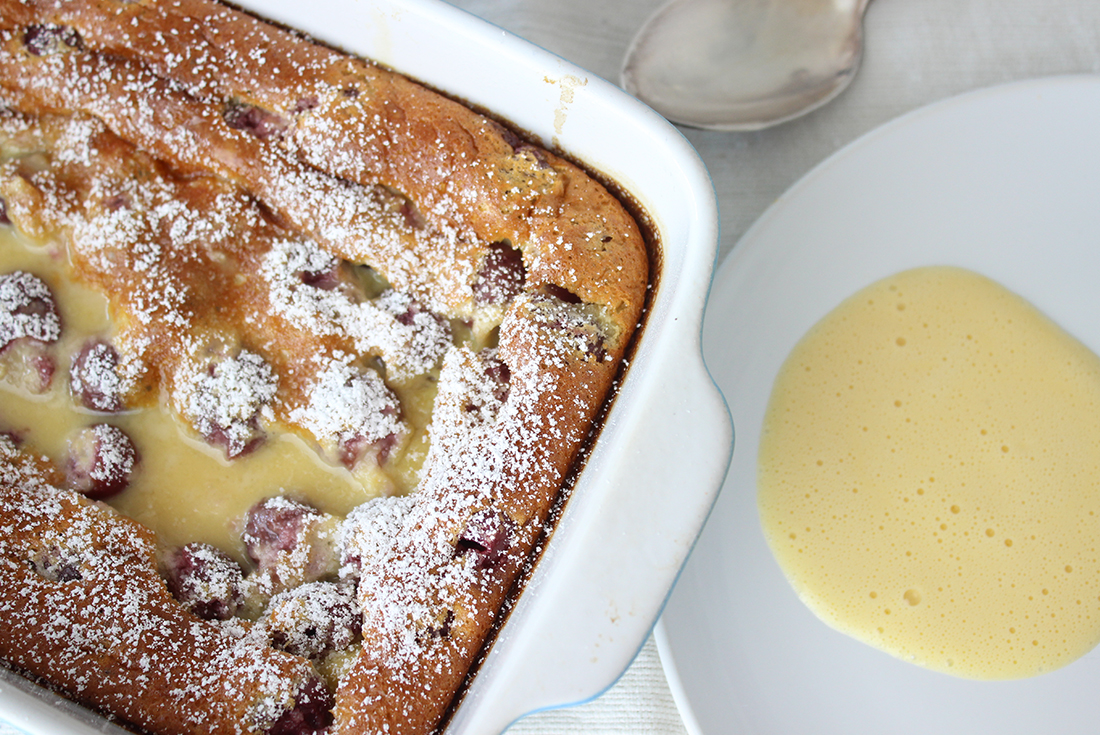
(744, 64)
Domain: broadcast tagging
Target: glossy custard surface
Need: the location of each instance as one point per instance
(929, 476)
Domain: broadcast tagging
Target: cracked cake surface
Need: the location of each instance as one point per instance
(296, 356)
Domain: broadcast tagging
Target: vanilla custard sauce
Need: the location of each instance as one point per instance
(929, 476)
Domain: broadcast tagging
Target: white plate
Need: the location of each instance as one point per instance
(1004, 181)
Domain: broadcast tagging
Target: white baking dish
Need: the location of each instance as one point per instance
(660, 459)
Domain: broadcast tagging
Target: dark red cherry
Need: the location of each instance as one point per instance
(100, 462)
(275, 525)
(205, 580)
(94, 379)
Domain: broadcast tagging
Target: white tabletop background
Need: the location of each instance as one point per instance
(916, 52)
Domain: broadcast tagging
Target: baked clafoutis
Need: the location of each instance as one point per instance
(297, 357)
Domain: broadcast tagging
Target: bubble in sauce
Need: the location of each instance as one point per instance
(972, 545)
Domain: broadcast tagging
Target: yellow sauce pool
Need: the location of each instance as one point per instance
(929, 476)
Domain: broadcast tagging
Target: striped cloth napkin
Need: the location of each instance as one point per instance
(640, 703)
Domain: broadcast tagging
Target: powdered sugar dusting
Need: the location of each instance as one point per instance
(27, 309)
(115, 454)
(314, 619)
(138, 234)
(226, 397)
(484, 449)
(95, 380)
(349, 403)
(409, 340)
(415, 336)
(369, 530)
(91, 599)
(19, 470)
(367, 223)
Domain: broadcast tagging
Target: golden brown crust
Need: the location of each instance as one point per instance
(364, 124)
(376, 170)
(222, 298)
(85, 608)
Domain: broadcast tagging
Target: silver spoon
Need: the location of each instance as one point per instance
(744, 64)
